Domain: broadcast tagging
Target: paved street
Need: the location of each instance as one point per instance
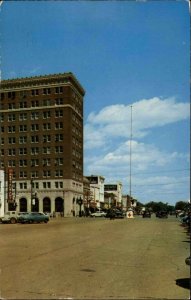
(94, 258)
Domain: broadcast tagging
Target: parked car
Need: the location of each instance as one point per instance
(115, 214)
(9, 217)
(162, 214)
(146, 214)
(98, 214)
(33, 217)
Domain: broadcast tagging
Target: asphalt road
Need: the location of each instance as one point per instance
(84, 258)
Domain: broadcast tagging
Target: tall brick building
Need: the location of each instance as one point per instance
(41, 142)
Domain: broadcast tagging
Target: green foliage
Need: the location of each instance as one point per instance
(180, 205)
(158, 206)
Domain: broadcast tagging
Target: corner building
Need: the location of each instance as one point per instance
(41, 141)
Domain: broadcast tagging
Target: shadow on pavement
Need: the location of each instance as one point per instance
(184, 283)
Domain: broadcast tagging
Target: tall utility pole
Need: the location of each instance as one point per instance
(130, 149)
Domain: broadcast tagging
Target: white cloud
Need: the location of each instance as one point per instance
(114, 121)
(107, 147)
(144, 156)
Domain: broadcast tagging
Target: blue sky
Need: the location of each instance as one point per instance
(123, 53)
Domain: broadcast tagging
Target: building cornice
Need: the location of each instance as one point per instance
(36, 81)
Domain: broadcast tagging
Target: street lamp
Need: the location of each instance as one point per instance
(80, 202)
(33, 195)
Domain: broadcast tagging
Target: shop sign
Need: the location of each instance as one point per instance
(10, 186)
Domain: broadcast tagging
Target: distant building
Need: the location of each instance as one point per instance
(42, 142)
(128, 202)
(97, 190)
(113, 194)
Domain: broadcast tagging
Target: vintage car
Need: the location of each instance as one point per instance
(146, 214)
(33, 217)
(162, 214)
(98, 214)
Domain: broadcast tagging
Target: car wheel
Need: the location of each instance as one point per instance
(1, 222)
(13, 221)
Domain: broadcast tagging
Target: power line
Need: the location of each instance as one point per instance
(153, 184)
(152, 172)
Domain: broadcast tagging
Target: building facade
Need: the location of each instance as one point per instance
(42, 142)
(97, 190)
(113, 194)
(2, 193)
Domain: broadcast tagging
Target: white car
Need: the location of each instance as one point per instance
(98, 214)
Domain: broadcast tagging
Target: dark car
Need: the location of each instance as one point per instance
(162, 214)
(115, 214)
(146, 214)
(33, 217)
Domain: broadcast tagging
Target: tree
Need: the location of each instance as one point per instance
(158, 206)
(180, 205)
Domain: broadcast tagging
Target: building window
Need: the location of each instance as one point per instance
(46, 126)
(11, 129)
(59, 149)
(23, 185)
(23, 174)
(46, 150)
(11, 117)
(34, 162)
(59, 161)
(23, 94)
(46, 162)
(58, 173)
(46, 114)
(2, 129)
(46, 102)
(46, 138)
(46, 91)
(22, 139)
(34, 115)
(2, 141)
(2, 96)
(36, 185)
(35, 92)
(58, 113)
(46, 173)
(22, 151)
(34, 139)
(34, 127)
(34, 174)
(59, 125)
(34, 150)
(59, 101)
(59, 137)
(2, 152)
(22, 128)
(58, 184)
(23, 104)
(11, 95)
(59, 90)
(22, 163)
(11, 106)
(2, 117)
(35, 103)
(46, 185)
(11, 163)
(12, 140)
(23, 116)
(11, 152)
